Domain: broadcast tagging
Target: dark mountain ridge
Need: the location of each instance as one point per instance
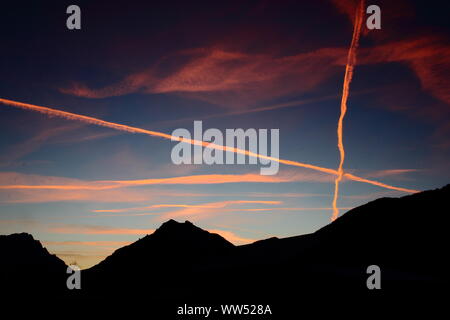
(171, 241)
(27, 265)
(406, 237)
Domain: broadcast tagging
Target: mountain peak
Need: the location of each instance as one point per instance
(24, 241)
(187, 234)
(171, 243)
(172, 226)
(18, 236)
(23, 252)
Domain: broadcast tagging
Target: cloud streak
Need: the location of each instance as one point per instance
(232, 237)
(29, 188)
(211, 209)
(99, 230)
(390, 173)
(87, 243)
(206, 206)
(121, 127)
(225, 77)
(351, 61)
(36, 182)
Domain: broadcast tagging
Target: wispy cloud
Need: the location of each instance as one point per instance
(20, 150)
(29, 188)
(87, 243)
(19, 181)
(232, 237)
(217, 208)
(155, 206)
(226, 77)
(235, 78)
(287, 209)
(235, 112)
(391, 173)
(87, 229)
(125, 128)
(211, 205)
(426, 56)
(224, 178)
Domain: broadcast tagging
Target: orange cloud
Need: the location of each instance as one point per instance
(87, 243)
(201, 212)
(75, 229)
(232, 237)
(125, 128)
(242, 79)
(347, 7)
(37, 182)
(42, 196)
(100, 230)
(213, 179)
(390, 172)
(229, 78)
(28, 188)
(212, 205)
(428, 57)
(155, 206)
(189, 214)
(290, 209)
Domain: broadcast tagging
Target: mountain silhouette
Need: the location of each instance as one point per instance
(170, 243)
(406, 237)
(28, 268)
(173, 249)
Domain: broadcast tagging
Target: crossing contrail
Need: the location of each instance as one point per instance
(351, 60)
(122, 127)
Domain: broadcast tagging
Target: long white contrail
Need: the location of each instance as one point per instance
(122, 127)
(351, 60)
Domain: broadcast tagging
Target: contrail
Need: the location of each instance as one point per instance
(209, 205)
(101, 185)
(121, 127)
(351, 60)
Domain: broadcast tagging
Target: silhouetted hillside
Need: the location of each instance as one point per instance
(170, 243)
(28, 268)
(174, 251)
(406, 237)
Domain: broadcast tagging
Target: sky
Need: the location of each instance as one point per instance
(85, 190)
